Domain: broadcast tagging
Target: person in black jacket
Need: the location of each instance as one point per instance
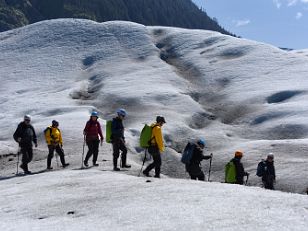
(239, 168)
(25, 135)
(269, 175)
(118, 140)
(194, 168)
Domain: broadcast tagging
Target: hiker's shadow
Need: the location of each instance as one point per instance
(21, 175)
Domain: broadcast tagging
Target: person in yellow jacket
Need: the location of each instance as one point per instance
(156, 147)
(54, 141)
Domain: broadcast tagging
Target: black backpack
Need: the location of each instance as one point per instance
(261, 168)
(188, 153)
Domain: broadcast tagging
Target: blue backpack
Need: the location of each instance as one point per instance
(188, 153)
(261, 168)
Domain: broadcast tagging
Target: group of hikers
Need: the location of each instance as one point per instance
(192, 156)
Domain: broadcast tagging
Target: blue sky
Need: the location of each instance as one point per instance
(283, 23)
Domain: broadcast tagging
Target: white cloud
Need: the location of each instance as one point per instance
(292, 2)
(299, 15)
(304, 1)
(277, 3)
(239, 23)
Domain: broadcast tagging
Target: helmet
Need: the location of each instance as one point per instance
(270, 156)
(160, 119)
(238, 154)
(27, 117)
(121, 112)
(55, 123)
(201, 141)
(94, 113)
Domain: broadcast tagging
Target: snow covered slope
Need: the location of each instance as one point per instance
(236, 93)
(96, 200)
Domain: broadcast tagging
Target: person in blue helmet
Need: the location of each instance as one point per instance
(118, 140)
(194, 167)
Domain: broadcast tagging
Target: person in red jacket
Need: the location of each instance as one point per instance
(93, 135)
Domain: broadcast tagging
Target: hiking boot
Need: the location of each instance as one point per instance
(49, 168)
(27, 172)
(65, 165)
(95, 164)
(116, 169)
(126, 166)
(85, 164)
(157, 176)
(146, 174)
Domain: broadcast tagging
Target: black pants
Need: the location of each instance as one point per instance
(60, 152)
(201, 176)
(195, 171)
(27, 155)
(119, 145)
(268, 182)
(156, 164)
(93, 150)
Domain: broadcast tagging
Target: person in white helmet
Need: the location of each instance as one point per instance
(25, 136)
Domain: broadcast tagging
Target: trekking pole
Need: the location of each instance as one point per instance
(84, 144)
(247, 180)
(18, 152)
(145, 156)
(210, 168)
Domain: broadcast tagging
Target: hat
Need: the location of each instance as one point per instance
(55, 123)
(160, 119)
(238, 153)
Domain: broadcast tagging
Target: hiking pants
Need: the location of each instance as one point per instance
(201, 176)
(27, 155)
(156, 164)
(60, 152)
(93, 150)
(268, 182)
(118, 146)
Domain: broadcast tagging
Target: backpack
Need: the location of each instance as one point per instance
(261, 168)
(145, 136)
(108, 131)
(50, 130)
(230, 172)
(188, 153)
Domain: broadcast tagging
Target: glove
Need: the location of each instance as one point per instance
(102, 140)
(246, 174)
(211, 155)
(35, 145)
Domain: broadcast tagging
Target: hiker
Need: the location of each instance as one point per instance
(269, 176)
(118, 140)
(54, 142)
(235, 171)
(156, 147)
(25, 135)
(93, 135)
(194, 168)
